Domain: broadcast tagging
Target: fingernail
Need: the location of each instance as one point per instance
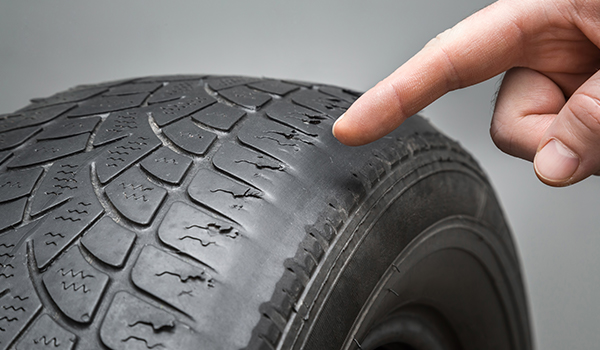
(555, 162)
(334, 124)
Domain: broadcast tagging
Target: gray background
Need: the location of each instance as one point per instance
(47, 46)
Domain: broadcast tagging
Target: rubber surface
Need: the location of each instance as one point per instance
(179, 212)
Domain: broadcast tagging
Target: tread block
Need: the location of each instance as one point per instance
(4, 156)
(177, 167)
(75, 286)
(245, 96)
(166, 113)
(178, 283)
(19, 304)
(388, 155)
(269, 333)
(132, 324)
(29, 118)
(174, 90)
(274, 87)
(62, 226)
(122, 154)
(16, 137)
(118, 125)
(133, 88)
(281, 303)
(71, 95)
(198, 235)
(343, 94)
(169, 78)
(68, 128)
(223, 194)
(299, 83)
(302, 119)
(252, 167)
(105, 104)
(277, 140)
(15, 184)
(109, 242)
(12, 212)
(219, 116)
(189, 136)
(48, 150)
(65, 179)
(331, 106)
(17, 309)
(135, 197)
(46, 333)
(12, 259)
(105, 84)
(220, 83)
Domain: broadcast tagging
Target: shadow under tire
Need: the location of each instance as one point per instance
(218, 212)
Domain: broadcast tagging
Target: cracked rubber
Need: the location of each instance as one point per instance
(196, 212)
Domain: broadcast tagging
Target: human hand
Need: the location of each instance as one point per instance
(548, 107)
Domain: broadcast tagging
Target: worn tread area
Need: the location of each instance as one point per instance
(169, 278)
(198, 235)
(285, 299)
(178, 212)
(131, 323)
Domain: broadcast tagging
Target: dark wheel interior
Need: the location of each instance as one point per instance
(442, 297)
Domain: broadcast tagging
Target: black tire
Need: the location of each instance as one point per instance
(189, 212)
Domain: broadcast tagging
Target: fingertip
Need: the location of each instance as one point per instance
(346, 133)
(555, 164)
(333, 129)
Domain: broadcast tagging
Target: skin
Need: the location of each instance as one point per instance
(548, 107)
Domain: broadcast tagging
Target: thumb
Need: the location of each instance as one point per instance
(570, 148)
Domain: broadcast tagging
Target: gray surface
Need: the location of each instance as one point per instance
(49, 46)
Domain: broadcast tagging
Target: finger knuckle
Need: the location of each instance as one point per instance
(502, 137)
(585, 110)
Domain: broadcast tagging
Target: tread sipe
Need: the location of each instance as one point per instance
(193, 212)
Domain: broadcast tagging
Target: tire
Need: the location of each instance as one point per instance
(207, 212)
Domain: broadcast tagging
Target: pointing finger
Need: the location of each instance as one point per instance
(476, 49)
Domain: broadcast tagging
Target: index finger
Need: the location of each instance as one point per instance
(476, 49)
